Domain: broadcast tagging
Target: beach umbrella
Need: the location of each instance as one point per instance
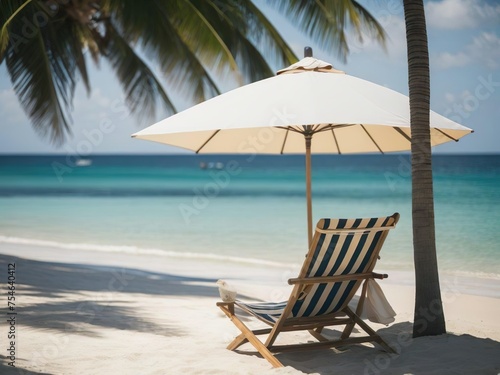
(309, 107)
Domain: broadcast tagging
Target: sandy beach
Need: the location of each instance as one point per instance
(103, 313)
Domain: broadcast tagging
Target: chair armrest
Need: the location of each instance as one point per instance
(338, 278)
(227, 307)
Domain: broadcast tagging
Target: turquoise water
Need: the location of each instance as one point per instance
(250, 211)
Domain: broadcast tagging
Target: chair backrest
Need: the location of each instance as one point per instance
(339, 247)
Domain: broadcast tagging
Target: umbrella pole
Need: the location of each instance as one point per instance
(308, 138)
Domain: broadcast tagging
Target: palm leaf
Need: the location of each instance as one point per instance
(325, 21)
(42, 75)
(141, 86)
(231, 25)
(8, 13)
(264, 31)
(80, 38)
(199, 26)
(189, 40)
(153, 29)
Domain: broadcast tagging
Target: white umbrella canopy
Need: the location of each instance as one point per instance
(309, 107)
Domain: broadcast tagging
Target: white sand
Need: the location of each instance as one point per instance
(102, 313)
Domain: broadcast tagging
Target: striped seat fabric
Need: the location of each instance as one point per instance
(268, 312)
(341, 257)
(341, 247)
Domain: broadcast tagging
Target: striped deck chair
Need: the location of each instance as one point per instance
(342, 256)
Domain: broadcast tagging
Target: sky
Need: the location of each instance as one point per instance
(464, 49)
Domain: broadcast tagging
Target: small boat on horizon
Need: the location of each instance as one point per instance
(211, 165)
(83, 162)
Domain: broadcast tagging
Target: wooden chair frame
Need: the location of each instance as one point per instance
(344, 316)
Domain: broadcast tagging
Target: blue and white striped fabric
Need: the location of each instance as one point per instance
(269, 312)
(336, 253)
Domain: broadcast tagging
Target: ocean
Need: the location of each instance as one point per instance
(241, 209)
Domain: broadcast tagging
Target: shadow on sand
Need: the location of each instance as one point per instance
(445, 354)
(9, 370)
(85, 312)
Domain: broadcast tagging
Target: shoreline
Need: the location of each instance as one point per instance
(87, 313)
(215, 266)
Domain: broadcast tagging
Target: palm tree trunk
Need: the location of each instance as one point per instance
(429, 316)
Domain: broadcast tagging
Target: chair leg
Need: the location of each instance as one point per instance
(370, 331)
(250, 337)
(241, 339)
(347, 331)
(317, 334)
(349, 327)
(237, 342)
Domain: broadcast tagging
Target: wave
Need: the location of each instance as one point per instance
(470, 274)
(203, 190)
(449, 275)
(135, 250)
(448, 271)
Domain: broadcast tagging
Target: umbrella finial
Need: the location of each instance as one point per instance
(308, 52)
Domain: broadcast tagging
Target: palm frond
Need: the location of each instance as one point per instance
(202, 25)
(153, 28)
(233, 31)
(369, 23)
(80, 38)
(235, 27)
(202, 30)
(232, 34)
(188, 39)
(248, 35)
(326, 21)
(141, 86)
(8, 12)
(42, 75)
(264, 31)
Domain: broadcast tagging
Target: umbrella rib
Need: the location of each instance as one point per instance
(315, 128)
(446, 135)
(208, 140)
(331, 127)
(284, 141)
(335, 139)
(324, 128)
(373, 140)
(291, 128)
(402, 133)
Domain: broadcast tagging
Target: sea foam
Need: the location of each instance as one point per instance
(124, 249)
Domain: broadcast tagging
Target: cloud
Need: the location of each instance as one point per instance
(447, 60)
(484, 49)
(461, 14)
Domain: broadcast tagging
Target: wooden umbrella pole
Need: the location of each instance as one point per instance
(308, 138)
